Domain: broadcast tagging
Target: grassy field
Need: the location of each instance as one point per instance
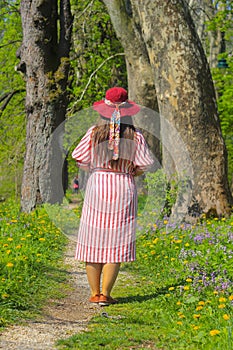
(177, 295)
(30, 262)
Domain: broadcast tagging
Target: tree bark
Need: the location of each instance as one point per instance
(139, 72)
(162, 35)
(44, 58)
(186, 99)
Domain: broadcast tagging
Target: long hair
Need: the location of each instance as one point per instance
(100, 138)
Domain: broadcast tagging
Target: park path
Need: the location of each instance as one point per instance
(60, 318)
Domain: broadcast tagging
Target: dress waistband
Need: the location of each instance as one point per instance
(104, 170)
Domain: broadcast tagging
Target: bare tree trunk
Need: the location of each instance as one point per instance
(139, 72)
(45, 62)
(186, 99)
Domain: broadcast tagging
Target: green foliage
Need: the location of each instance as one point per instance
(177, 295)
(30, 249)
(223, 78)
(97, 61)
(12, 119)
(224, 85)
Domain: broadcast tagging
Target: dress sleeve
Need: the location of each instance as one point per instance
(143, 157)
(82, 153)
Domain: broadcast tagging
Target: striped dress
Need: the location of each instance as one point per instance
(108, 221)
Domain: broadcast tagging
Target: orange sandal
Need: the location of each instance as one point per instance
(94, 298)
(106, 301)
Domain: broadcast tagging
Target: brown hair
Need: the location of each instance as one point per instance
(100, 136)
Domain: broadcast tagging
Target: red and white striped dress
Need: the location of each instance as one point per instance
(108, 222)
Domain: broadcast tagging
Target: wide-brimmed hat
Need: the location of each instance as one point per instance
(116, 97)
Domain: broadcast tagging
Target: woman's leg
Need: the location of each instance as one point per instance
(110, 272)
(93, 275)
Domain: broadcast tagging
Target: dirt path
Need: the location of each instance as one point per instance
(60, 319)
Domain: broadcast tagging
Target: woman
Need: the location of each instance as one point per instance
(114, 152)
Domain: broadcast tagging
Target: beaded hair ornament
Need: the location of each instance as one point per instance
(114, 134)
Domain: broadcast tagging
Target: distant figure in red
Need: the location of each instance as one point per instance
(114, 152)
(75, 184)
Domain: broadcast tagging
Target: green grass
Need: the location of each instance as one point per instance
(177, 295)
(31, 248)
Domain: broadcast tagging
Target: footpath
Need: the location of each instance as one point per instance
(60, 318)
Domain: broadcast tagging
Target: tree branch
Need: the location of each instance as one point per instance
(93, 73)
(7, 97)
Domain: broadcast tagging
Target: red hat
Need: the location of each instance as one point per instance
(116, 96)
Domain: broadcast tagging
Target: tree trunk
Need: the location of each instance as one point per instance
(44, 58)
(187, 102)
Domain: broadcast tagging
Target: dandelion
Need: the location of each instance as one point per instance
(186, 287)
(165, 222)
(214, 332)
(181, 316)
(222, 300)
(42, 239)
(4, 296)
(215, 292)
(178, 303)
(167, 295)
(226, 317)
(196, 316)
(200, 307)
(5, 245)
(189, 280)
(23, 239)
(201, 303)
(187, 244)
(155, 240)
(171, 288)
(179, 323)
(9, 264)
(172, 259)
(221, 306)
(10, 239)
(231, 297)
(196, 327)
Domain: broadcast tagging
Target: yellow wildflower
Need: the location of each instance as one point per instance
(189, 280)
(214, 332)
(186, 287)
(171, 288)
(222, 300)
(226, 317)
(231, 297)
(9, 264)
(179, 322)
(196, 316)
(200, 307)
(221, 306)
(201, 303)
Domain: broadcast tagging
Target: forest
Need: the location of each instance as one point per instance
(176, 66)
(175, 59)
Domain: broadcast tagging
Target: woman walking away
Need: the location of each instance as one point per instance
(114, 152)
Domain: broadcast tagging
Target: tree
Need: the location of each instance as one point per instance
(186, 96)
(44, 59)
